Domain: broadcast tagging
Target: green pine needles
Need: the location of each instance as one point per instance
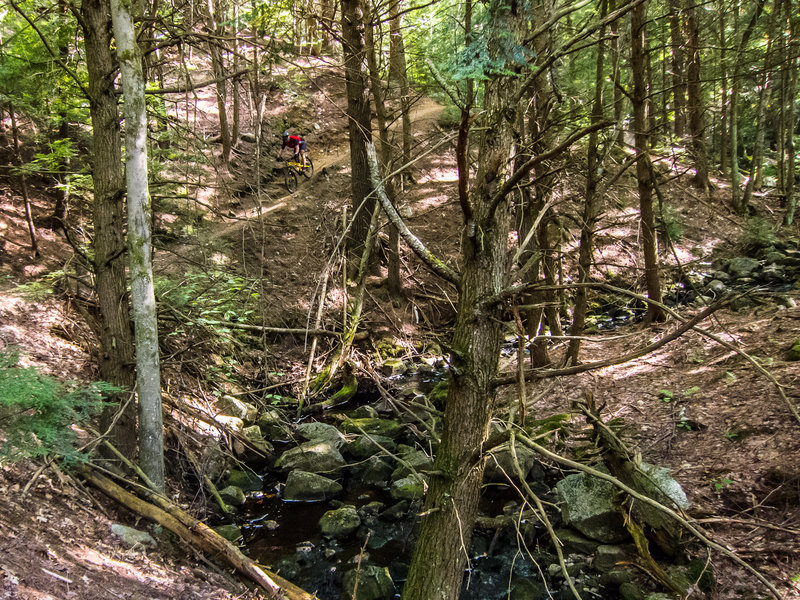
(38, 412)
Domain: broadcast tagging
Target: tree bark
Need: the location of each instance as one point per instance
(393, 251)
(451, 502)
(592, 204)
(641, 141)
(115, 333)
(359, 125)
(678, 61)
(696, 106)
(148, 380)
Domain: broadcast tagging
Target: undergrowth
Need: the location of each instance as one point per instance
(39, 414)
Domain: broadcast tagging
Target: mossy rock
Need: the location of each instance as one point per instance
(408, 488)
(388, 349)
(245, 480)
(230, 532)
(340, 523)
(794, 351)
(232, 495)
(438, 395)
(384, 427)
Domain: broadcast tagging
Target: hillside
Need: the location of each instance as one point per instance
(246, 252)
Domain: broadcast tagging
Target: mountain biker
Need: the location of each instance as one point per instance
(297, 144)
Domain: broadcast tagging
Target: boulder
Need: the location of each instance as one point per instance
(232, 495)
(364, 412)
(228, 405)
(393, 367)
(606, 557)
(132, 537)
(500, 464)
(340, 523)
(375, 470)
(716, 288)
(212, 459)
(320, 432)
(254, 435)
(794, 352)
(374, 583)
(412, 462)
(245, 480)
(274, 424)
(301, 485)
(230, 532)
(365, 446)
(313, 457)
(408, 488)
(235, 424)
(588, 506)
(575, 542)
(742, 267)
(373, 426)
(663, 481)
(772, 274)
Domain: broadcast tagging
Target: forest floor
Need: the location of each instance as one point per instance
(728, 437)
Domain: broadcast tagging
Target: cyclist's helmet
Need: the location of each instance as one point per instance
(285, 134)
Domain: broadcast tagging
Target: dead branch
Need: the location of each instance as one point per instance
(198, 534)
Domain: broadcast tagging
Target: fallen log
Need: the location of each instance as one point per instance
(198, 534)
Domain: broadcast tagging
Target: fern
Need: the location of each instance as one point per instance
(37, 412)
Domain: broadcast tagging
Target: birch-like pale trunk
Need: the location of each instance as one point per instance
(148, 381)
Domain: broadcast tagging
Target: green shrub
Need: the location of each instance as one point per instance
(450, 117)
(757, 235)
(37, 412)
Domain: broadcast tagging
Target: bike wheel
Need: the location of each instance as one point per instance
(290, 179)
(308, 171)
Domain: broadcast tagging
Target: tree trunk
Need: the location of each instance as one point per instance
(696, 105)
(593, 203)
(23, 184)
(148, 381)
(359, 125)
(678, 61)
(758, 143)
(393, 251)
(451, 502)
(791, 68)
(398, 75)
(649, 244)
(108, 243)
(723, 103)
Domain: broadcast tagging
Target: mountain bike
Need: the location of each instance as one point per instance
(294, 169)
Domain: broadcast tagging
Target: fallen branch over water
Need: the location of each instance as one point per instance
(198, 534)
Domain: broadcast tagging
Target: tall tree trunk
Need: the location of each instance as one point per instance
(216, 15)
(736, 192)
(723, 103)
(359, 125)
(108, 243)
(649, 244)
(696, 106)
(792, 66)
(398, 75)
(678, 62)
(23, 184)
(393, 266)
(758, 143)
(592, 203)
(451, 503)
(148, 380)
(616, 76)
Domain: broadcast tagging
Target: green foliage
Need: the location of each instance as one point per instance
(209, 297)
(450, 117)
(666, 395)
(757, 235)
(671, 224)
(718, 483)
(38, 413)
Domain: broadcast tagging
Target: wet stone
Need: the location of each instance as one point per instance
(301, 485)
(340, 522)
